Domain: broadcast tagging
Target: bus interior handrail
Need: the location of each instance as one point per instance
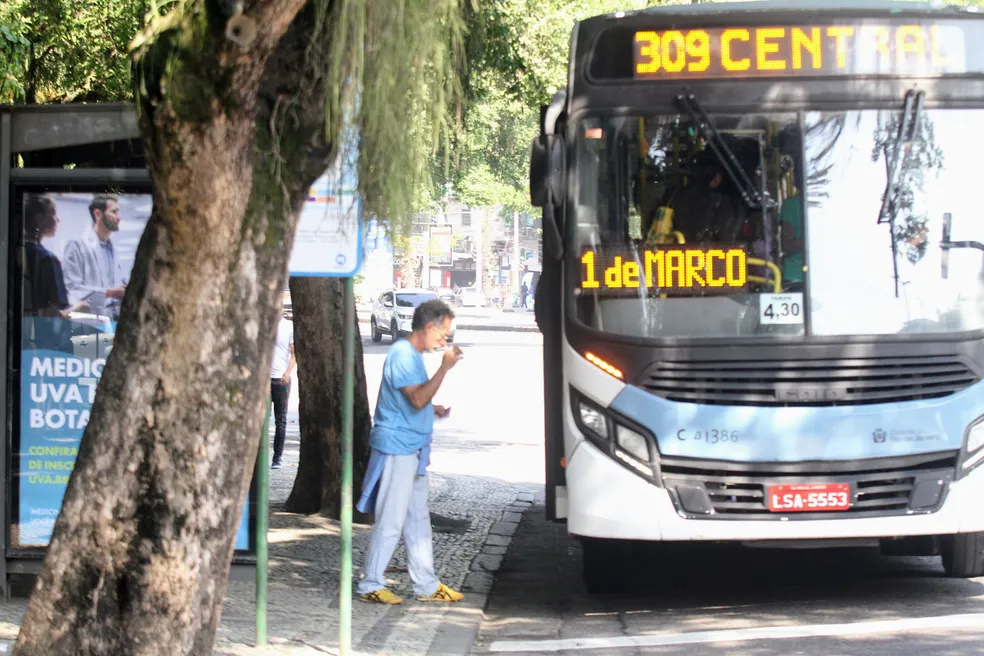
(773, 269)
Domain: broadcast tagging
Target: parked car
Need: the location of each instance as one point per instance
(469, 297)
(446, 294)
(392, 313)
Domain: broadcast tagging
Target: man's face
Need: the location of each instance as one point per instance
(436, 334)
(111, 217)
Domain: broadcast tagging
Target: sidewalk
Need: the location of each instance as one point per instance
(304, 568)
(303, 612)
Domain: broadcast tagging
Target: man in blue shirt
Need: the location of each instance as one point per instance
(396, 483)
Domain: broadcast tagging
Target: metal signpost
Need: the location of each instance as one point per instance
(262, 523)
(348, 381)
(328, 243)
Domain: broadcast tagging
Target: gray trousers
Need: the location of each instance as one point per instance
(401, 508)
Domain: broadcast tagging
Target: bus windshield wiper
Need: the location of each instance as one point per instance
(894, 161)
(751, 195)
(895, 170)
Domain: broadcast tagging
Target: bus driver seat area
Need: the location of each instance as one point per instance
(709, 200)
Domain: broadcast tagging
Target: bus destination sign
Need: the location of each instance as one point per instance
(801, 50)
(678, 270)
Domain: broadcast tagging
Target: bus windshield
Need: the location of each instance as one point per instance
(688, 226)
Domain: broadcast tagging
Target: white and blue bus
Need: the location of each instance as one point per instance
(762, 296)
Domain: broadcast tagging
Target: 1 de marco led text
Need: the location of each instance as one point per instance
(668, 269)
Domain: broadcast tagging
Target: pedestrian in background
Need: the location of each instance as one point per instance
(396, 486)
(280, 377)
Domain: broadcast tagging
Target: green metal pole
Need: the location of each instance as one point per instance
(348, 385)
(262, 522)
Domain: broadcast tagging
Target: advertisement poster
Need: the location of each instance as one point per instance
(78, 254)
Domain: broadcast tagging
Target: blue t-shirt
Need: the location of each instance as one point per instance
(399, 429)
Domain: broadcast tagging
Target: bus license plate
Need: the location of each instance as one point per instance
(810, 497)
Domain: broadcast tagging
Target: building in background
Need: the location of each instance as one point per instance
(448, 249)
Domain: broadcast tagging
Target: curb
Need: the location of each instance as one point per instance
(501, 329)
(507, 328)
(459, 628)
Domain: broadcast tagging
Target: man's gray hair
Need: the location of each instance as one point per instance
(430, 311)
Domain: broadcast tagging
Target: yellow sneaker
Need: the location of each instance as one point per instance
(443, 593)
(381, 596)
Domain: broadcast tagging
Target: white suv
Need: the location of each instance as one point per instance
(392, 313)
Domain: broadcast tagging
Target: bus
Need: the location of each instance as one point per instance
(762, 295)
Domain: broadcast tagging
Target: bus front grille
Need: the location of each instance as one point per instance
(885, 486)
(819, 382)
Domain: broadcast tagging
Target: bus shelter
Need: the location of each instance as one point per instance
(75, 196)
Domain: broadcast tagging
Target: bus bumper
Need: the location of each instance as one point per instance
(608, 501)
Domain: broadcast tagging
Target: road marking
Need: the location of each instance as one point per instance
(971, 620)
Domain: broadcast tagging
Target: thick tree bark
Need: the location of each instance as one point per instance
(138, 562)
(319, 322)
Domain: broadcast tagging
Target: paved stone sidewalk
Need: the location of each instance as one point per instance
(304, 555)
(303, 612)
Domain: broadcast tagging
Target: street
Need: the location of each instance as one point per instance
(727, 600)
(496, 398)
(712, 599)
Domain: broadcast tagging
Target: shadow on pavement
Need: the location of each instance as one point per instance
(700, 586)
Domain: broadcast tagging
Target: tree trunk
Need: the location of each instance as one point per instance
(138, 562)
(319, 323)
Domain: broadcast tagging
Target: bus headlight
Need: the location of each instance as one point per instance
(632, 443)
(974, 454)
(628, 446)
(975, 437)
(593, 420)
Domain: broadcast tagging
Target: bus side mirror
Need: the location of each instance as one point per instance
(547, 178)
(547, 188)
(556, 175)
(945, 245)
(539, 165)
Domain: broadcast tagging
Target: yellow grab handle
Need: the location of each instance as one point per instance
(776, 273)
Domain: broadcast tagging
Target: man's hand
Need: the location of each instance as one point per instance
(451, 357)
(285, 379)
(441, 411)
(116, 292)
(421, 395)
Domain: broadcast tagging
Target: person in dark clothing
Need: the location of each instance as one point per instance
(46, 308)
(523, 293)
(281, 371)
(706, 211)
(44, 290)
